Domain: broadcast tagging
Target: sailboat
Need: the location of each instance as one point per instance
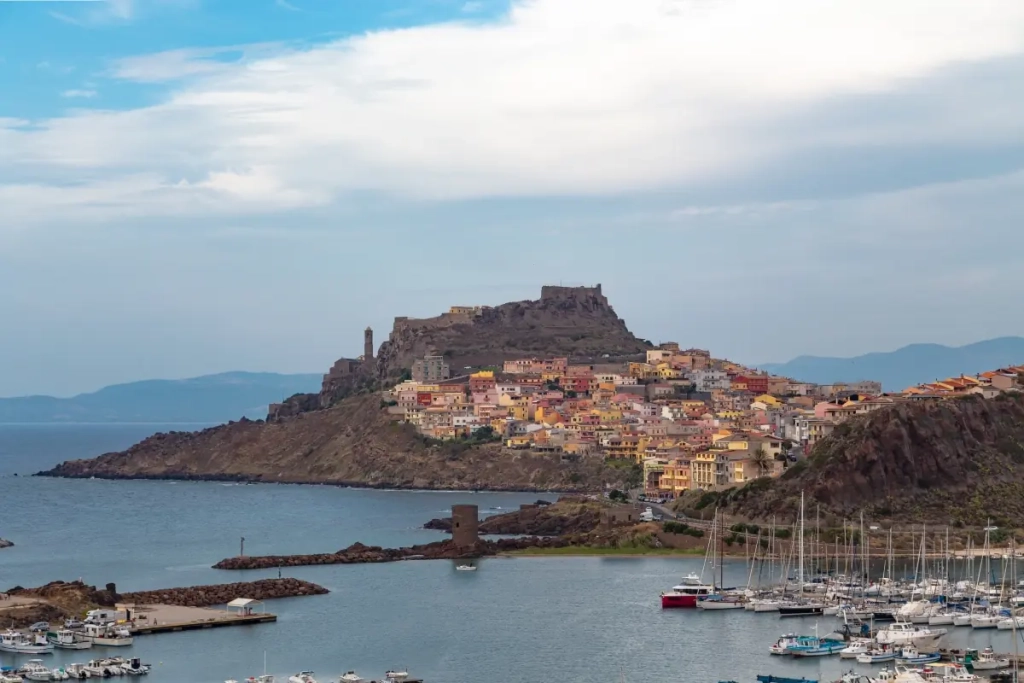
(718, 600)
(801, 608)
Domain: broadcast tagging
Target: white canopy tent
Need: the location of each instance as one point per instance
(244, 605)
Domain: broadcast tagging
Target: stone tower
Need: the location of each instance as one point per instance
(464, 525)
(368, 344)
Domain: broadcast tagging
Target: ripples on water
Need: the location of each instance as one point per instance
(524, 620)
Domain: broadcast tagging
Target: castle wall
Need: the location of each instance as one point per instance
(465, 522)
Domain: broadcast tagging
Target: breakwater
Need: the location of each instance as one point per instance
(358, 553)
(223, 593)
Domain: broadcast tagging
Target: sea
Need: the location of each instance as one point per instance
(515, 620)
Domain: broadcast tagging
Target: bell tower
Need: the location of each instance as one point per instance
(368, 344)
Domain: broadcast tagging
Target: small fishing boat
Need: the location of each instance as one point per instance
(395, 676)
(465, 568)
(782, 645)
(817, 647)
(877, 656)
(13, 641)
(910, 655)
(109, 636)
(59, 674)
(351, 677)
(988, 661)
(902, 634)
(66, 639)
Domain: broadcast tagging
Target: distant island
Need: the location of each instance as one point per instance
(905, 367)
(210, 398)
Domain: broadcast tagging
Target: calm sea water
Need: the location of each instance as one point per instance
(519, 620)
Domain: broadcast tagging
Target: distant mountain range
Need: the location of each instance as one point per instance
(905, 367)
(211, 398)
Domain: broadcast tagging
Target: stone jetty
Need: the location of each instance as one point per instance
(223, 593)
(358, 553)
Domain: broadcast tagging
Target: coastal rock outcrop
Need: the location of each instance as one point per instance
(958, 462)
(357, 553)
(576, 322)
(567, 516)
(354, 443)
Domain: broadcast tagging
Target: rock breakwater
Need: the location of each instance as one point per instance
(221, 594)
(358, 553)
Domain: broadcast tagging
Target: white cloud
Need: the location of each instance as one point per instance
(79, 93)
(558, 97)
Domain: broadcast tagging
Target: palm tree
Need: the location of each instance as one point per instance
(762, 460)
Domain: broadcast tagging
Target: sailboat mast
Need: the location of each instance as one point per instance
(800, 571)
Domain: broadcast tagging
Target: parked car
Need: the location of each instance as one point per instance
(74, 623)
(39, 627)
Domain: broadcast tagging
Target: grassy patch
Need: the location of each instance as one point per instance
(601, 552)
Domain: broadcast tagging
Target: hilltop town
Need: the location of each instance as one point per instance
(690, 420)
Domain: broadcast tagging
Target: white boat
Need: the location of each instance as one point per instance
(988, 661)
(66, 639)
(910, 655)
(59, 674)
(465, 568)
(10, 678)
(853, 650)
(719, 602)
(985, 620)
(877, 656)
(943, 618)
(1008, 623)
(351, 677)
(12, 641)
(763, 605)
(102, 668)
(901, 633)
(395, 676)
(109, 636)
(265, 678)
(135, 667)
(77, 671)
(35, 670)
(962, 620)
(302, 677)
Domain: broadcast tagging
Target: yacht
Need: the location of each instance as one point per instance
(901, 633)
(686, 593)
(1009, 623)
(985, 620)
(465, 568)
(302, 677)
(66, 639)
(718, 601)
(351, 677)
(806, 609)
(395, 676)
(13, 641)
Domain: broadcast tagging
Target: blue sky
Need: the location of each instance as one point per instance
(193, 186)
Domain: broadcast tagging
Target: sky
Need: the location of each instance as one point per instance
(195, 186)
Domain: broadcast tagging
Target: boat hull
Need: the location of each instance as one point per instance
(678, 601)
(801, 611)
(718, 605)
(111, 642)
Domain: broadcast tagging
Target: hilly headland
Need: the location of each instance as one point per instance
(557, 394)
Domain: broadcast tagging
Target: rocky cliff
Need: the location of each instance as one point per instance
(953, 462)
(577, 322)
(352, 443)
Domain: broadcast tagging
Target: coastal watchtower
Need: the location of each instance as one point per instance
(368, 344)
(464, 525)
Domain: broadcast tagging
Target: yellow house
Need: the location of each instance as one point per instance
(642, 371)
(609, 415)
(709, 470)
(675, 479)
(666, 371)
(768, 399)
(518, 442)
(729, 414)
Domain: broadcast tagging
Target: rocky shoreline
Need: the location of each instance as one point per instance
(358, 553)
(223, 593)
(270, 479)
(570, 515)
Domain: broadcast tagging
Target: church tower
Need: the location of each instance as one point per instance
(368, 344)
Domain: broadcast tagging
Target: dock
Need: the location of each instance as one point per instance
(152, 619)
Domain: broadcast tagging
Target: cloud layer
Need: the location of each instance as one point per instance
(558, 97)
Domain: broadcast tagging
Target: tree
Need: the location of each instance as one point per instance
(763, 461)
(618, 495)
